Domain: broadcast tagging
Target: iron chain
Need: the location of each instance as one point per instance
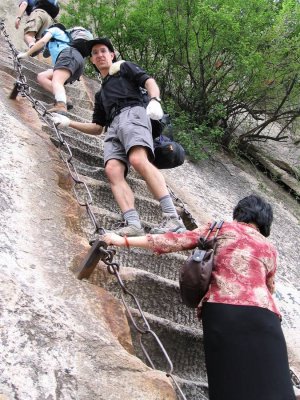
(22, 88)
(114, 268)
(191, 220)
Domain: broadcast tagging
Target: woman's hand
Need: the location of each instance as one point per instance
(112, 239)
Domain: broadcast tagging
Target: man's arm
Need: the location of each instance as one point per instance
(152, 88)
(37, 46)
(91, 128)
(22, 8)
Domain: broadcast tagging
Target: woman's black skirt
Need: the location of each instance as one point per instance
(245, 354)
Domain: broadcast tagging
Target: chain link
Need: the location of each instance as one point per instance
(295, 379)
(113, 268)
(22, 88)
(187, 217)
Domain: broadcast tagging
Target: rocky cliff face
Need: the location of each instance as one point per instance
(62, 338)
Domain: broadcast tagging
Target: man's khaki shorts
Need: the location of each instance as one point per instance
(37, 22)
(130, 128)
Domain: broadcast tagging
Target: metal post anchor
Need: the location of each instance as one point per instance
(91, 260)
(14, 93)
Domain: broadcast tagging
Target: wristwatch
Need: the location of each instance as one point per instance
(156, 98)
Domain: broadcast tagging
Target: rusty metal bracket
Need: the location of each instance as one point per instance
(14, 93)
(92, 258)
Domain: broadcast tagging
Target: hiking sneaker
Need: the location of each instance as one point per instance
(60, 108)
(124, 229)
(170, 223)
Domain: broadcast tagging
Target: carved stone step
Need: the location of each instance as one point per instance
(194, 390)
(164, 265)
(148, 208)
(7, 66)
(90, 159)
(78, 104)
(34, 64)
(138, 185)
(75, 142)
(184, 346)
(156, 295)
(110, 220)
(74, 92)
(79, 139)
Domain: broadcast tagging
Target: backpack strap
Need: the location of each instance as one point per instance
(219, 226)
(204, 241)
(210, 229)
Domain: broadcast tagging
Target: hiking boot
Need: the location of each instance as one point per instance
(60, 108)
(170, 223)
(69, 105)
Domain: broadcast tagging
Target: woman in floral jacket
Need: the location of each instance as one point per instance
(245, 350)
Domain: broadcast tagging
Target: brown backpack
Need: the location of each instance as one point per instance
(195, 273)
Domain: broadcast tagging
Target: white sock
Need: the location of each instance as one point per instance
(61, 96)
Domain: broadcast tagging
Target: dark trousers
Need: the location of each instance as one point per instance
(245, 354)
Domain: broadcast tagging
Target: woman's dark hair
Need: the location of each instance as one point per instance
(256, 210)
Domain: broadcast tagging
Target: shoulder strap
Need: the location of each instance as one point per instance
(219, 226)
(62, 41)
(210, 229)
(210, 243)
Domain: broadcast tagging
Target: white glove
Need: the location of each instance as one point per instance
(115, 67)
(61, 121)
(22, 55)
(154, 110)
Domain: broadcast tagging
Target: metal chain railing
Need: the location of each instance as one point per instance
(186, 215)
(21, 87)
(295, 379)
(99, 249)
(98, 252)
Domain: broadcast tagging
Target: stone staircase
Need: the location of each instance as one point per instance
(153, 279)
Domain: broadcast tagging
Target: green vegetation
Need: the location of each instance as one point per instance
(227, 69)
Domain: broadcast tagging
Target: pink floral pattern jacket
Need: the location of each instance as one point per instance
(245, 264)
